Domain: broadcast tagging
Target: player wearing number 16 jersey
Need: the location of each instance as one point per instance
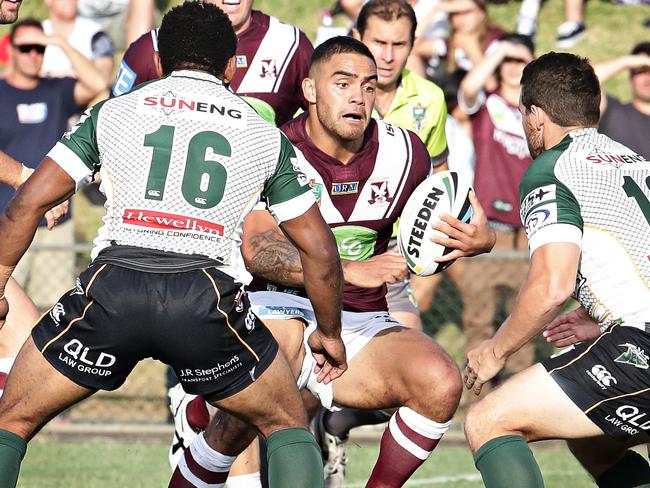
(183, 160)
(586, 209)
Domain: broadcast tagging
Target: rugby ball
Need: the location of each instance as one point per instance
(445, 192)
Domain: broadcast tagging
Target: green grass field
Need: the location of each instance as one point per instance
(144, 465)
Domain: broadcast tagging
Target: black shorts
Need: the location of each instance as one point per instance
(609, 380)
(197, 321)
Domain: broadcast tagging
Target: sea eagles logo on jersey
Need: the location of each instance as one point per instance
(634, 356)
(269, 68)
(346, 188)
(419, 114)
(379, 193)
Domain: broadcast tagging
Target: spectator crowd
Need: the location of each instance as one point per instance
(445, 71)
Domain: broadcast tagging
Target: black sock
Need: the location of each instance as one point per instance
(340, 422)
(632, 471)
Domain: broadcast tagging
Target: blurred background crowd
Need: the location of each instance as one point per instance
(65, 56)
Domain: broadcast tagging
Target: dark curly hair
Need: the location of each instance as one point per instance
(565, 87)
(196, 35)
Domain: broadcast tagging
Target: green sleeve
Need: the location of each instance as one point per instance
(82, 139)
(545, 200)
(288, 182)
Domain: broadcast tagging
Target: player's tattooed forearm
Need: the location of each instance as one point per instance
(275, 258)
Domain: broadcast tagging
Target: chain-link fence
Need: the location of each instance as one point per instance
(471, 298)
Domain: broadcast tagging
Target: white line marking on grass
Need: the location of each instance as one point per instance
(439, 480)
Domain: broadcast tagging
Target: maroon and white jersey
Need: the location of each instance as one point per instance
(272, 60)
(361, 200)
(502, 156)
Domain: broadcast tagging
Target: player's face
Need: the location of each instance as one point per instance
(64, 9)
(345, 94)
(390, 44)
(640, 80)
(9, 11)
(238, 11)
(534, 137)
(27, 63)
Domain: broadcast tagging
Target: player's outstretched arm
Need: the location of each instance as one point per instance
(471, 239)
(48, 186)
(323, 281)
(549, 283)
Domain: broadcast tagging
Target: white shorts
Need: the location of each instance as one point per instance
(358, 329)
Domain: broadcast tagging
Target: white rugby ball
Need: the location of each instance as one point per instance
(445, 192)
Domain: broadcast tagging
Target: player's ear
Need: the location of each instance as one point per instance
(157, 64)
(539, 116)
(355, 34)
(309, 90)
(231, 67)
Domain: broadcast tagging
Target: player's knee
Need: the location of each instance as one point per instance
(15, 419)
(440, 385)
(486, 420)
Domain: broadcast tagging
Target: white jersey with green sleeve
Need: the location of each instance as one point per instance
(595, 192)
(182, 161)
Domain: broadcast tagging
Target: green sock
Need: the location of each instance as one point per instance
(294, 460)
(507, 461)
(12, 451)
(632, 471)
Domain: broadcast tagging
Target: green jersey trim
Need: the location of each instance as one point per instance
(546, 201)
(287, 191)
(77, 151)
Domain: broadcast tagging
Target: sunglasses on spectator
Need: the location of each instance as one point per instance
(638, 71)
(28, 48)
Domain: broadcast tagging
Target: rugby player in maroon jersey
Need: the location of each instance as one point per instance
(390, 365)
(272, 60)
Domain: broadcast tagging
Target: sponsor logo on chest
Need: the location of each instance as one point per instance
(241, 61)
(346, 188)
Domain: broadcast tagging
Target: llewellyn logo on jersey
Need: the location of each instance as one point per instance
(345, 188)
(161, 220)
(634, 356)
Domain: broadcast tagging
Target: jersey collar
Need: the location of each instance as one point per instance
(197, 75)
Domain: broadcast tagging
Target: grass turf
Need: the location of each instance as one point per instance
(98, 464)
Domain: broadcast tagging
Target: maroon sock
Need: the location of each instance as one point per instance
(201, 466)
(407, 442)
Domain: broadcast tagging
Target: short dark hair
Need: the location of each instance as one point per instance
(642, 48)
(196, 35)
(339, 45)
(23, 23)
(565, 87)
(388, 10)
